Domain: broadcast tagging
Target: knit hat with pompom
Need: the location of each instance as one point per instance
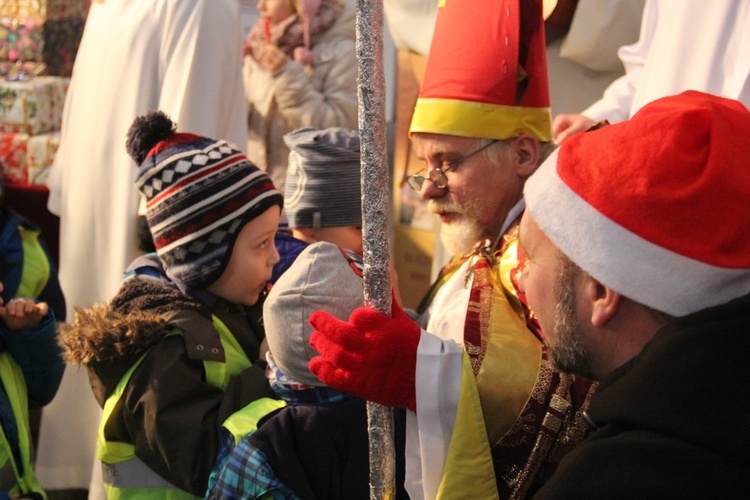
(199, 194)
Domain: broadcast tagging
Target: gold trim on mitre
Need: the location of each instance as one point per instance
(480, 120)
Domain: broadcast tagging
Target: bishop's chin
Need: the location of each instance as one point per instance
(460, 235)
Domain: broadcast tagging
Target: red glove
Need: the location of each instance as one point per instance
(372, 356)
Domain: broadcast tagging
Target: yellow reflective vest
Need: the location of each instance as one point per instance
(11, 479)
(127, 477)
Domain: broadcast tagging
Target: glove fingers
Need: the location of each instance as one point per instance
(365, 319)
(330, 374)
(337, 332)
(337, 341)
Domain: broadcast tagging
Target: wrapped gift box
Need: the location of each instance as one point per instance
(32, 106)
(13, 157)
(40, 153)
(21, 39)
(26, 159)
(41, 10)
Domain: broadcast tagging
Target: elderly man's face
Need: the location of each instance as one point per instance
(551, 283)
(480, 191)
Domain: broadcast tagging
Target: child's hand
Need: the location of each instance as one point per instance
(22, 313)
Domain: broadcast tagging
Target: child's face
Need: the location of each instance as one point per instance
(252, 260)
(275, 10)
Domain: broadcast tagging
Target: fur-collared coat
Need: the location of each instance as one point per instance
(168, 410)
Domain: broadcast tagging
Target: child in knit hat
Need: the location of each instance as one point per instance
(317, 446)
(322, 197)
(323, 194)
(175, 354)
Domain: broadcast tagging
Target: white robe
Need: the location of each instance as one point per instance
(684, 44)
(438, 380)
(181, 56)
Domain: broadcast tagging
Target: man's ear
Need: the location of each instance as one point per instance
(527, 151)
(604, 301)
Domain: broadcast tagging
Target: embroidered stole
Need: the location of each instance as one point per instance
(532, 414)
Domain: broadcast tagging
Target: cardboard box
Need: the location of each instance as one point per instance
(415, 227)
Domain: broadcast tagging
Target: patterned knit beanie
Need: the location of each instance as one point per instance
(199, 193)
(323, 178)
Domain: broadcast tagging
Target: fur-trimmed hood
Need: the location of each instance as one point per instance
(108, 339)
(132, 322)
(99, 334)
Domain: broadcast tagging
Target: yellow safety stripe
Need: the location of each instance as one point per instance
(36, 271)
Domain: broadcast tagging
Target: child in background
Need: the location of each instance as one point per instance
(31, 366)
(322, 198)
(176, 353)
(300, 70)
(26, 267)
(317, 446)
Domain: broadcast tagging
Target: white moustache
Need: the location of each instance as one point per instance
(437, 207)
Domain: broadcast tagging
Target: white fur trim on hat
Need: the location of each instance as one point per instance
(636, 268)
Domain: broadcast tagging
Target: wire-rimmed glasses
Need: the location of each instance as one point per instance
(437, 176)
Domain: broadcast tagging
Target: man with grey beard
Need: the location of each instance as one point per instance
(493, 417)
(639, 273)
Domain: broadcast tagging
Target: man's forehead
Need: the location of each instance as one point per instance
(441, 143)
(530, 236)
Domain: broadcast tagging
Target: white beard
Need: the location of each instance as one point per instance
(460, 237)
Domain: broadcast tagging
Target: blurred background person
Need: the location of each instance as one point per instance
(30, 363)
(693, 45)
(300, 71)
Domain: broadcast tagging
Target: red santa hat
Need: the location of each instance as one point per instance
(657, 207)
(486, 74)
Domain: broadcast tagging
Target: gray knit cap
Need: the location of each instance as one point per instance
(323, 277)
(323, 178)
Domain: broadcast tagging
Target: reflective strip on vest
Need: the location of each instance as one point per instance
(219, 373)
(246, 420)
(125, 476)
(15, 388)
(133, 474)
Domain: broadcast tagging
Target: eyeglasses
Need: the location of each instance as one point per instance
(437, 176)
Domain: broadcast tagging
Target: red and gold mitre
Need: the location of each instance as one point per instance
(486, 74)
